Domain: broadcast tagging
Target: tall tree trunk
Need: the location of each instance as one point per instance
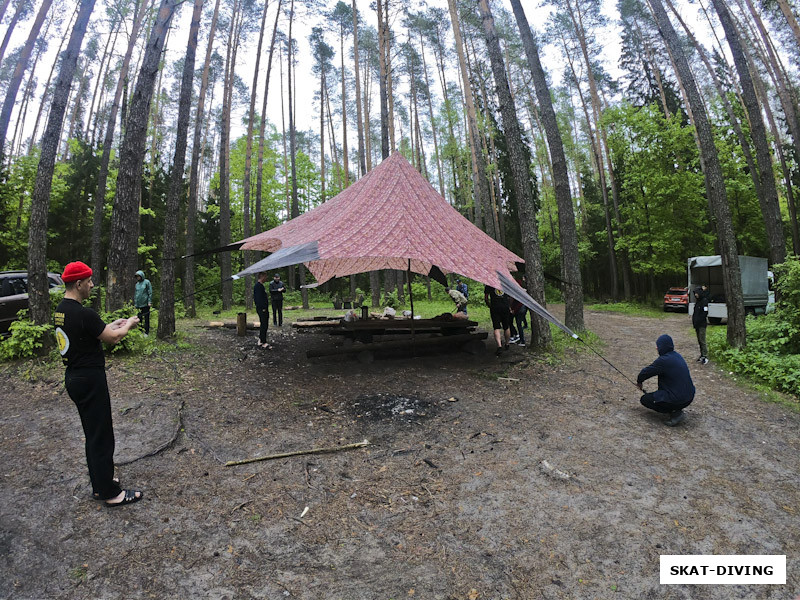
(715, 184)
(383, 86)
(362, 165)
(780, 79)
(123, 253)
(790, 18)
(50, 78)
(734, 120)
(480, 188)
(191, 205)
(520, 168)
(3, 8)
(10, 29)
(248, 156)
(19, 71)
(27, 94)
(594, 141)
(570, 259)
(293, 145)
(577, 22)
(387, 48)
(108, 140)
(344, 114)
(768, 199)
(166, 316)
(102, 73)
(322, 132)
(224, 159)
(38, 294)
(439, 170)
(263, 123)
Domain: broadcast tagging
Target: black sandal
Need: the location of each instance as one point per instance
(96, 495)
(129, 498)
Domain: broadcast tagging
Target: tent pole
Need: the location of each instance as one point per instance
(411, 299)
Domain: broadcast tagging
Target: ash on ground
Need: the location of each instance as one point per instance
(381, 407)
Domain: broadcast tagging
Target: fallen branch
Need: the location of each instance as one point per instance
(165, 445)
(328, 450)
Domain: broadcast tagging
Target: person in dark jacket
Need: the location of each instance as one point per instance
(261, 301)
(675, 388)
(276, 292)
(700, 321)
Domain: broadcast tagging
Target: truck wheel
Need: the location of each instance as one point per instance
(714, 320)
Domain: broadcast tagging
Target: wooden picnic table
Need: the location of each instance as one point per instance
(406, 333)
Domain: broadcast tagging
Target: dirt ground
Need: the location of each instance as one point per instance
(485, 478)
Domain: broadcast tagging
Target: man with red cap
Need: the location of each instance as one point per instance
(79, 332)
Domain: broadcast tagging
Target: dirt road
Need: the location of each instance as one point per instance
(485, 478)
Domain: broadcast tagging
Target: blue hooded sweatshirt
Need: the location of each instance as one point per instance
(674, 381)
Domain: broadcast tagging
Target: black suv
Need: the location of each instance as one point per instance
(14, 294)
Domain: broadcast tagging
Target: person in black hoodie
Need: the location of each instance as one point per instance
(276, 292)
(700, 321)
(675, 388)
(262, 308)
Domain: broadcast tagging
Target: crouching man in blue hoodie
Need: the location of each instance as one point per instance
(675, 388)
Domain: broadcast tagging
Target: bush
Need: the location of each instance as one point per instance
(787, 310)
(136, 342)
(391, 300)
(27, 340)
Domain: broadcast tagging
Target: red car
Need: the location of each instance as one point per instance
(677, 298)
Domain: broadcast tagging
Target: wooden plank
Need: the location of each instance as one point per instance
(406, 343)
(406, 324)
(306, 324)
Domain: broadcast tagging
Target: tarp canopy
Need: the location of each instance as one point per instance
(392, 218)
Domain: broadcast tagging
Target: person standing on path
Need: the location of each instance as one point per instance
(79, 333)
(143, 300)
(700, 321)
(276, 292)
(262, 308)
(500, 313)
(675, 387)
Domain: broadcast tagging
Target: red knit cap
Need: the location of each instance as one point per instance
(75, 271)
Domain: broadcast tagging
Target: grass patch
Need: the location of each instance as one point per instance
(770, 373)
(629, 308)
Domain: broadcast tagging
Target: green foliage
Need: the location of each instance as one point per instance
(391, 300)
(772, 354)
(761, 360)
(788, 308)
(662, 204)
(133, 343)
(16, 185)
(27, 340)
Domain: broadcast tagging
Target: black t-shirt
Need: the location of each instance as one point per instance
(497, 299)
(77, 330)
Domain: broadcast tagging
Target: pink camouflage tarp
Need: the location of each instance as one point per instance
(392, 218)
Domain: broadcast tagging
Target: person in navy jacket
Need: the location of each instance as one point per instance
(675, 388)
